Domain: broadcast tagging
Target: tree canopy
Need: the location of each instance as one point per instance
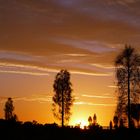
(128, 81)
(62, 99)
(9, 108)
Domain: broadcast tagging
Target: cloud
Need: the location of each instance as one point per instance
(23, 25)
(35, 98)
(93, 104)
(22, 63)
(23, 69)
(112, 86)
(91, 74)
(68, 61)
(107, 9)
(126, 2)
(78, 66)
(40, 71)
(97, 96)
(103, 66)
(17, 56)
(26, 66)
(91, 46)
(76, 55)
(83, 37)
(24, 73)
(42, 98)
(106, 68)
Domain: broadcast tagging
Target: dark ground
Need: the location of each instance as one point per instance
(29, 131)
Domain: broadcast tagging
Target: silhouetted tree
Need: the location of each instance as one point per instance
(128, 76)
(121, 123)
(15, 117)
(94, 119)
(62, 99)
(90, 120)
(110, 125)
(115, 121)
(135, 112)
(9, 108)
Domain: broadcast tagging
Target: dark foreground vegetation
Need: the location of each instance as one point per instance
(10, 130)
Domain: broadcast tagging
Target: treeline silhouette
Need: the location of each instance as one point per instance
(15, 130)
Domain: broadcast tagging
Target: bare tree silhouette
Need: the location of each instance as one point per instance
(128, 76)
(62, 99)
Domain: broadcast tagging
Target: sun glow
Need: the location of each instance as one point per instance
(82, 124)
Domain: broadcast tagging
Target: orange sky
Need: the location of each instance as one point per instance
(38, 38)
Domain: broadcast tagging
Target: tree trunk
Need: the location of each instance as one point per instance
(129, 107)
(62, 109)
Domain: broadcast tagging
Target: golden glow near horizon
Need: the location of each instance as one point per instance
(39, 38)
(82, 123)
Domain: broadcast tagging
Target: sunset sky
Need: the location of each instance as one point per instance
(38, 38)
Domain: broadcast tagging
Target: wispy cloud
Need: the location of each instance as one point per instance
(24, 72)
(18, 65)
(103, 66)
(77, 66)
(35, 98)
(92, 46)
(23, 63)
(24, 69)
(17, 56)
(125, 2)
(76, 55)
(91, 74)
(38, 70)
(112, 86)
(42, 98)
(68, 61)
(107, 9)
(97, 96)
(93, 104)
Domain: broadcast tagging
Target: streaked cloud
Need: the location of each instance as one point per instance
(35, 98)
(17, 56)
(23, 69)
(24, 73)
(112, 86)
(124, 2)
(91, 74)
(103, 66)
(92, 46)
(93, 104)
(41, 98)
(97, 96)
(33, 69)
(76, 55)
(24, 66)
(107, 10)
(68, 61)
